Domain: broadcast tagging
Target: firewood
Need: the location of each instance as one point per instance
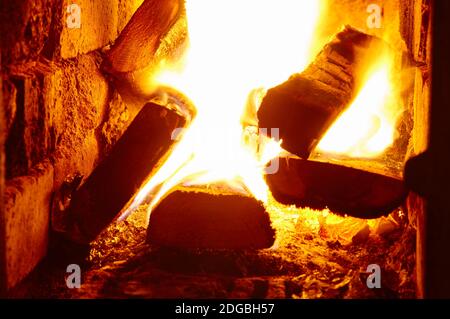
(202, 218)
(306, 105)
(140, 151)
(156, 30)
(343, 190)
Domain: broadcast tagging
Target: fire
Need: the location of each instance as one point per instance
(237, 49)
(367, 128)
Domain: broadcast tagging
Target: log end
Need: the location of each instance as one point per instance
(305, 106)
(302, 109)
(199, 218)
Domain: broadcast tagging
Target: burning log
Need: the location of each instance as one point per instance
(137, 154)
(306, 105)
(342, 189)
(201, 218)
(153, 33)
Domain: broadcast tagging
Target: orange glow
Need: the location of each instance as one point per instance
(235, 47)
(240, 47)
(367, 127)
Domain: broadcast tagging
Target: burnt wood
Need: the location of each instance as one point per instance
(157, 31)
(306, 105)
(343, 190)
(140, 39)
(200, 218)
(137, 154)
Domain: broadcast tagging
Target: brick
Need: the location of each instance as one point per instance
(25, 27)
(27, 207)
(52, 108)
(101, 23)
(77, 96)
(63, 105)
(99, 20)
(80, 159)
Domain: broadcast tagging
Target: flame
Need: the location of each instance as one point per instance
(367, 127)
(235, 47)
(237, 50)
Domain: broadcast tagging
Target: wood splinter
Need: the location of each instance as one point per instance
(306, 105)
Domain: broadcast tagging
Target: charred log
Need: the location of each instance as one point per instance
(200, 218)
(342, 189)
(137, 154)
(154, 32)
(306, 105)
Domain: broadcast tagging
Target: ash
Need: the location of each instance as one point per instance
(316, 255)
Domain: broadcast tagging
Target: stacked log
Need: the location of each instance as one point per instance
(344, 190)
(305, 106)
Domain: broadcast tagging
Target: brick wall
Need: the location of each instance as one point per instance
(59, 113)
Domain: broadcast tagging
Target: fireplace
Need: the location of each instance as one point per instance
(199, 149)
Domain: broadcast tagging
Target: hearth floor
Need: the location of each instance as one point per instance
(307, 261)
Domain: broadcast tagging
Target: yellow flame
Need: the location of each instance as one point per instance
(239, 47)
(235, 47)
(367, 127)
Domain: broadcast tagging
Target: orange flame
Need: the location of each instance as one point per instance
(235, 48)
(367, 127)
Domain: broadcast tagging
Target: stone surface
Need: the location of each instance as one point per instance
(25, 26)
(27, 207)
(33, 28)
(53, 109)
(81, 159)
(98, 26)
(77, 97)
(119, 116)
(101, 23)
(54, 104)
